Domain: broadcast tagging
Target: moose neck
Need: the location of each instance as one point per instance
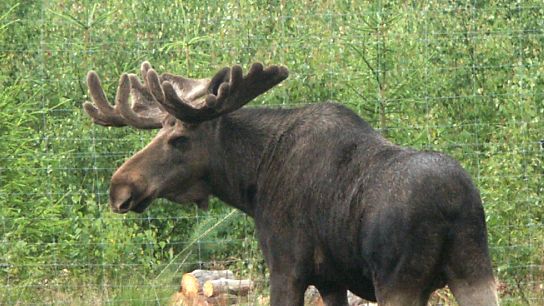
(237, 146)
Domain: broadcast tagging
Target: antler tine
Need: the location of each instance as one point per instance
(101, 111)
(155, 86)
(144, 68)
(228, 91)
(167, 96)
(144, 113)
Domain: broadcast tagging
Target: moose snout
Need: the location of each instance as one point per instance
(127, 194)
(120, 199)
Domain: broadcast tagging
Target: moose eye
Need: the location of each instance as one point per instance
(179, 142)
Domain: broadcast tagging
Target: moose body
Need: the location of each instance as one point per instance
(335, 204)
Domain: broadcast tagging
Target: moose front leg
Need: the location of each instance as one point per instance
(288, 277)
(286, 290)
(287, 258)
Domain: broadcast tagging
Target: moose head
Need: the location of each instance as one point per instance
(174, 164)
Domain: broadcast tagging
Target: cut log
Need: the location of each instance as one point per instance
(312, 297)
(212, 274)
(176, 299)
(180, 299)
(191, 283)
(231, 286)
(223, 300)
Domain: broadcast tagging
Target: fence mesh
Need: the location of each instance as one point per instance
(461, 77)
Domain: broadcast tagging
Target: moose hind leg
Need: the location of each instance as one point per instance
(398, 296)
(409, 278)
(481, 293)
(408, 284)
(469, 271)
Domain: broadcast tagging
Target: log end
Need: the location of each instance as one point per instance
(190, 285)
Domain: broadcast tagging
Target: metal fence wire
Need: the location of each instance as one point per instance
(462, 77)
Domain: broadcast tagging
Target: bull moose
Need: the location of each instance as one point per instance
(335, 204)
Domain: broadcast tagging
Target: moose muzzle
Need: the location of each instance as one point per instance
(129, 193)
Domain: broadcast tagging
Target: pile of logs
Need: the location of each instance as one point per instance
(221, 288)
(207, 288)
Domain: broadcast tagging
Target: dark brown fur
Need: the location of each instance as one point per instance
(335, 204)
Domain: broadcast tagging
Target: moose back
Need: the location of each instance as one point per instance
(335, 204)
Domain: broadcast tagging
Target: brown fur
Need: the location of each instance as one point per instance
(335, 204)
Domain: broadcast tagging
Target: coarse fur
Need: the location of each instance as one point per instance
(335, 204)
(338, 206)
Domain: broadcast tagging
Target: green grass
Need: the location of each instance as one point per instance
(464, 77)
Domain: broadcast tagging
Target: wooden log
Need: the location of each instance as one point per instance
(180, 299)
(191, 283)
(312, 297)
(212, 274)
(224, 285)
(223, 300)
(176, 299)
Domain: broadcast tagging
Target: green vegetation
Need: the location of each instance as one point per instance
(462, 77)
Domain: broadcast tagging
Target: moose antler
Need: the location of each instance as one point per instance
(190, 100)
(144, 113)
(227, 91)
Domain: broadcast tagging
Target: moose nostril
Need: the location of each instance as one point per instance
(125, 206)
(121, 197)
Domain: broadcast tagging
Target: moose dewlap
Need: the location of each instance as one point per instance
(335, 204)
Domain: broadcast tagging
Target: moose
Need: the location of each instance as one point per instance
(335, 204)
